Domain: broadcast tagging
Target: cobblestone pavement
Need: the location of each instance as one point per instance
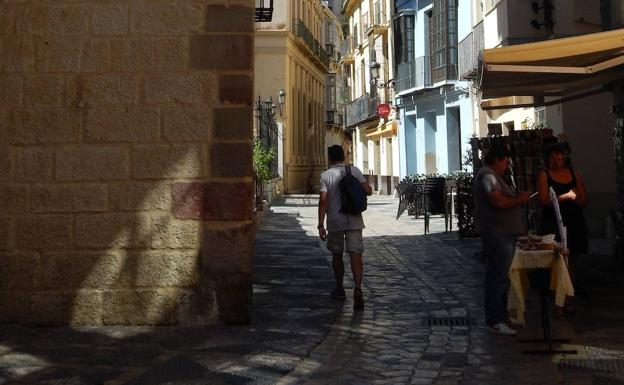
(412, 282)
(299, 336)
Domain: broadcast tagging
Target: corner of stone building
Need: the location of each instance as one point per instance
(226, 264)
(114, 188)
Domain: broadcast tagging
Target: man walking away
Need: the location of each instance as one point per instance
(499, 222)
(341, 228)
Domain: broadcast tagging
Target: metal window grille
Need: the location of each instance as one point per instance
(443, 40)
(264, 11)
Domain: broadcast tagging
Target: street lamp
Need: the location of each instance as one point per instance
(281, 99)
(374, 68)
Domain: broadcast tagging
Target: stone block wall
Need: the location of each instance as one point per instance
(125, 161)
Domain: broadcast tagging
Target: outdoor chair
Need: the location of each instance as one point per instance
(451, 193)
(434, 200)
(418, 206)
(400, 188)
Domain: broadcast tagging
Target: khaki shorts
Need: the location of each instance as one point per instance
(337, 239)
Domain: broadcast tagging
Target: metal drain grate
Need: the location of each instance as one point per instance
(449, 321)
(594, 365)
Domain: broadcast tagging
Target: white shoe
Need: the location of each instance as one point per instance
(502, 329)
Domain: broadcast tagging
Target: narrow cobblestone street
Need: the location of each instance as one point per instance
(411, 281)
(299, 336)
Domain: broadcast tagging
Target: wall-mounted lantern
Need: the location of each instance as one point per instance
(281, 100)
(374, 68)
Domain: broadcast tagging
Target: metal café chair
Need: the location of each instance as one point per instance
(434, 200)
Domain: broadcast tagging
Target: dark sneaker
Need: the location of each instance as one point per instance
(338, 294)
(358, 300)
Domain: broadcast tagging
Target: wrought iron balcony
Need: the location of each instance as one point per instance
(414, 74)
(308, 39)
(360, 110)
(468, 53)
(333, 118)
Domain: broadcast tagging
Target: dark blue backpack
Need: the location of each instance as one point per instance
(353, 196)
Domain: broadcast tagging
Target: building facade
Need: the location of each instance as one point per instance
(502, 23)
(368, 67)
(291, 54)
(120, 202)
(586, 123)
(435, 106)
(335, 87)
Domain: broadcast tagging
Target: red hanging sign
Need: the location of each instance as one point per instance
(383, 110)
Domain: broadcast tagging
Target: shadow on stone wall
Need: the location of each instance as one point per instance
(292, 314)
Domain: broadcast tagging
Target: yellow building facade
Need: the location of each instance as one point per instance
(369, 68)
(290, 54)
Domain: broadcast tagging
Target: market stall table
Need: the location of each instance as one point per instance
(545, 261)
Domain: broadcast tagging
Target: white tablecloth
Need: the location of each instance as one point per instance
(524, 260)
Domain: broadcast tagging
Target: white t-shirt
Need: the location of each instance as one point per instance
(330, 178)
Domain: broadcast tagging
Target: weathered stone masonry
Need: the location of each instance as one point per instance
(125, 161)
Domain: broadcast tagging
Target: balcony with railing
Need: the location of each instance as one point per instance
(468, 53)
(360, 110)
(348, 50)
(379, 24)
(333, 118)
(301, 31)
(414, 74)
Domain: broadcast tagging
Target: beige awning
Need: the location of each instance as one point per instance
(551, 71)
(385, 130)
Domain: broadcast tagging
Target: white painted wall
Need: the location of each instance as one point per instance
(516, 115)
(420, 26)
(518, 18)
(396, 157)
(495, 32)
(402, 158)
(467, 125)
(554, 119)
(441, 143)
(371, 157)
(464, 20)
(383, 161)
(588, 125)
(420, 146)
(576, 17)
(360, 152)
(512, 18)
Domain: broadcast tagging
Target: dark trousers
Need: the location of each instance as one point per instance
(498, 252)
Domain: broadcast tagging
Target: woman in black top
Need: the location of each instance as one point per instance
(570, 190)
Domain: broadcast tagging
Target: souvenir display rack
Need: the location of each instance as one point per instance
(527, 156)
(464, 207)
